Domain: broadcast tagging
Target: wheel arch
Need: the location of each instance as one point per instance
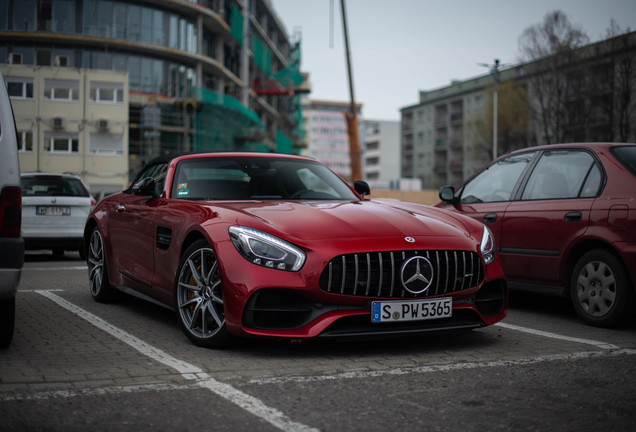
(91, 223)
(192, 237)
(581, 248)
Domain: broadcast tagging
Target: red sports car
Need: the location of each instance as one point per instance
(256, 244)
(564, 221)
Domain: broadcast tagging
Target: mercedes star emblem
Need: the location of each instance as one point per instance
(417, 274)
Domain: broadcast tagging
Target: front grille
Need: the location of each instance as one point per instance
(378, 274)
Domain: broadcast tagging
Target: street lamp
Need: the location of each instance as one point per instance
(494, 70)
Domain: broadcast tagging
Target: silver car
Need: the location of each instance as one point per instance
(54, 211)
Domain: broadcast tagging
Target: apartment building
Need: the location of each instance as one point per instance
(381, 153)
(448, 134)
(327, 134)
(71, 120)
(203, 75)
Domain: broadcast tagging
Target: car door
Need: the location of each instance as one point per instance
(487, 195)
(132, 230)
(553, 209)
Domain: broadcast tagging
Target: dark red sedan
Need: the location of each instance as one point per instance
(257, 244)
(564, 220)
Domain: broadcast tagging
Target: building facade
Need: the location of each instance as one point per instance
(381, 153)
(327, 135)
(73, 120)
(448, 134)
(203, 75)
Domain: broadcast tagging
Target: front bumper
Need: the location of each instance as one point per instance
(271, 303)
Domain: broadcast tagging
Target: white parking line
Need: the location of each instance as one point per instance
(188, 371)
(443, 367)
(602, 345)
(54, 394)
(54, 268)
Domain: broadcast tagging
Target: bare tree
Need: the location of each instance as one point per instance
(550, 49)
(513, 117)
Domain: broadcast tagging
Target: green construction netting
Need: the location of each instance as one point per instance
(236, 23)
(224, 124)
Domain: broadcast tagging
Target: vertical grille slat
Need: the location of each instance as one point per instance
(355, 282)
(452, 271)
(366, 293)
(381, 274)
(344, 274)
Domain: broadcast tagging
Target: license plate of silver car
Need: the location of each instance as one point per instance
(52, 211)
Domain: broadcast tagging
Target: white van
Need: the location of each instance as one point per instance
(11, 242)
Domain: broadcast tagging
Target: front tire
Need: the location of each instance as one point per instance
(600, 290)
(100, 288)
(199, 297)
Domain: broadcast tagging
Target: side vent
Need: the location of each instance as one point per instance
(164, 236)
(58, 123)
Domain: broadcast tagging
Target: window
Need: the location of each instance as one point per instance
(106, 92)
(106, 144)
(560, 174)
(25, 141)
(61, 143)
(20, 88)
(61, 90)
(497, 181)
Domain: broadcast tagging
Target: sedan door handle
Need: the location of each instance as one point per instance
(490, 218)
(574, 216)
(120, 208)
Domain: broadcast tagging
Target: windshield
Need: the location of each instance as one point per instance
(257, 178)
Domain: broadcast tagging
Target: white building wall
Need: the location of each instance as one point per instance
(72, 120)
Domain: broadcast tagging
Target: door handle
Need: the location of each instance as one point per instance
(574, 216)
(120, 208)
(490, 218)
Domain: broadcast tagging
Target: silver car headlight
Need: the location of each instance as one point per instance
(487, 246)
(266, 250)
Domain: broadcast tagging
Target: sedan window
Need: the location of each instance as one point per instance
(496, 182)
(561, 174)
(627, 156)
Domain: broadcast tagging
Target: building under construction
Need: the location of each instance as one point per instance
(207, 75)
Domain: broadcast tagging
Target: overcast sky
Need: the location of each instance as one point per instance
(399, 47)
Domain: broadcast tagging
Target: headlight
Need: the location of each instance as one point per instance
(488, 246)
(266, 250)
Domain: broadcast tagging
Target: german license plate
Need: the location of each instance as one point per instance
(52, 211)
(411, 310)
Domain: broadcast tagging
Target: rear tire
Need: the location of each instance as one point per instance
(99, 286)
(600, 290)
(7, 321)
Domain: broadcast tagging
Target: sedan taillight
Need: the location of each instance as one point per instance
(10, 211)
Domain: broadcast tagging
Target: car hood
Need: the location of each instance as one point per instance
(350, 219)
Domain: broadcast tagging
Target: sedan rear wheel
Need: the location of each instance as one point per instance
(599, 289)
(97, 274)
(199, 297)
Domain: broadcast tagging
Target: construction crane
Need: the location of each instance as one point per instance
(351, 116)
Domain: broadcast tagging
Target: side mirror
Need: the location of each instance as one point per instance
(447, 195)
(361, 187)
(144, 187)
